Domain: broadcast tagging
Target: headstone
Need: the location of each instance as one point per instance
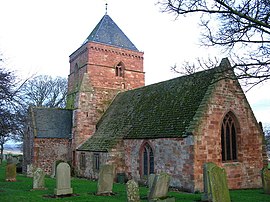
(30, 170)
(218, 184)
(160, 187)
(206, 196)
(150, 180)
(38, 179)
(11, 172)
(63, 180)
(105, 180)
(266, 180)
(133, 194)
(53, 169)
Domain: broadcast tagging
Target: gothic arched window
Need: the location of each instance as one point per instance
(229, 137)
(119, 69)
(147, 160)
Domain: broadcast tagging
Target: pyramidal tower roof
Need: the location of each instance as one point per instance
(107, 32)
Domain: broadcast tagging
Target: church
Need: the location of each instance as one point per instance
(174, 126)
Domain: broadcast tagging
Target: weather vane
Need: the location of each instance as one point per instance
(106, 7)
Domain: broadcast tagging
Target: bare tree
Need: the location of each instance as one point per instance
(242, 28)
(8, 128)
(44, 91)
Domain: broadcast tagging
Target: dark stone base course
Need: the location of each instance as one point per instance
(60, 196)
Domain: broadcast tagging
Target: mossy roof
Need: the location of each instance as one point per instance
(162, 110)
(107, 32)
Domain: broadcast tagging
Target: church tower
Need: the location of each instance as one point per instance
(106, 63)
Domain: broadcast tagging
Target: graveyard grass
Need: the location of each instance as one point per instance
(21, 191)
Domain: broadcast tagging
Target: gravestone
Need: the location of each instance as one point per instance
(133, 194)
(30, 170)
(266, 180)
(38, 179)
(11, 172)
(105, 180)
(160, 187)
(150, 180)
(206, 196)
(218, 184)
(63, 180)
(53, 169)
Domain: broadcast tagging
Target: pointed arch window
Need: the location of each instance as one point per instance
(147, 160)
(119, 69)
(229, 137)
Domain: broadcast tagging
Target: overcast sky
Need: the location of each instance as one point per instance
(38, 36)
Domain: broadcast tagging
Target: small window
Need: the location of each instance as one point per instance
(82, 161)
(119, 69)
(147, 157)
(96, 161)
(229, 138)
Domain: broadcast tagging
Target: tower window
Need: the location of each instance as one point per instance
(229, 138)
(119, 69)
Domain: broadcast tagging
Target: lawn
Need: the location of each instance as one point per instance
(20, 191)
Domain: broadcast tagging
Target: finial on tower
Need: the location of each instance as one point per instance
(106, 7)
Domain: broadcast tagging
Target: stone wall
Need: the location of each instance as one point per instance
(171, 155)
(245, 172)
(49, 150)
(88, 171)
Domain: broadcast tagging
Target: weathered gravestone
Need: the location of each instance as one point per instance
(266, 180)
(159, 189)
(11, 172)
(218, 184)
(30, 170)
(150, 180)
(63, 180)
(206, 196)
(38, 179)
(133, 194)
(53, 169)
(105, 180)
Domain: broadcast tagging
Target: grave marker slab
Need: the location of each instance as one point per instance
(30, 170)
(105, 180)
(11, 172)
(266, 180)
(160, 187)
(133, 194)
(63, 186)
(219, 185)
(38, 179)
(206, 196)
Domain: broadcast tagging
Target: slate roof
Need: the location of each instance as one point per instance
(107, 32)
(164, 110)
(51, 122)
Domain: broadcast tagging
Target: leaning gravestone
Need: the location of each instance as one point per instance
(30, 170)
(63, 180)
(133, 194)
(150, 180)
(11, 172)
(160, 188)
(218, 184)
(266, 180)
(105, 180)
(38, 179)
(206, 196)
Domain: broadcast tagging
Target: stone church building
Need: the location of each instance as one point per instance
(173, 126)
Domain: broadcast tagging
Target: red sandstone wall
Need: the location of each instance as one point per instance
(245, 173)
(49, 150)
